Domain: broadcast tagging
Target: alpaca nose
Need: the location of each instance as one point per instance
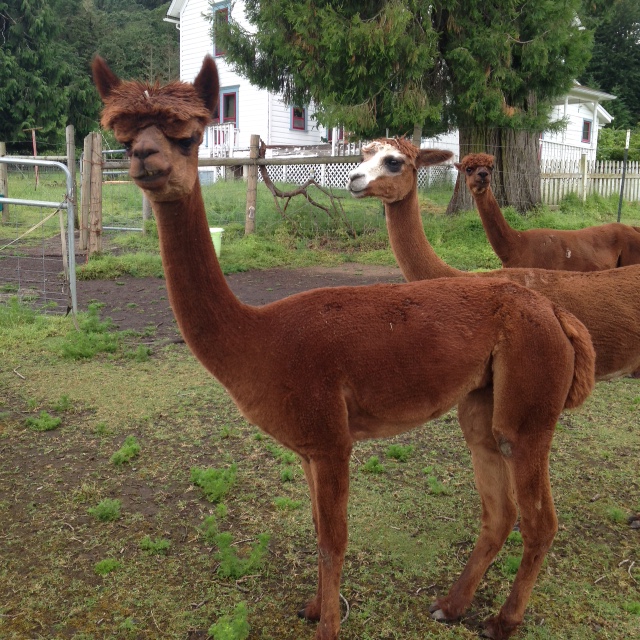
(143, 150)
(483, 174)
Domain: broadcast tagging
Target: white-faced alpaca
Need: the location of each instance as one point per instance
(323, 369)
(605, 246)
(607, 302)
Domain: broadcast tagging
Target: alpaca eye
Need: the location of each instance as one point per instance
(393, 164)
(185, 144)
(127, 147)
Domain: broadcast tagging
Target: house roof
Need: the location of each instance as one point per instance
(174, 10)
(581, 93)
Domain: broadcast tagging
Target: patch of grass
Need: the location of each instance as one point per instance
(287, 474)
(617, 515)
(127, 452)
(106, 510)
(106, 566)
(140, 354)
(399, 452)
(286, 504)
(44, 422)
(436, 487)
(63, 403)
(632, 607)
(511, 564)
(232, 626)
(373, 465)
(234, 566)
(159, 546)
(215, 483)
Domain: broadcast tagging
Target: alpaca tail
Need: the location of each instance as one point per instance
(585, 358)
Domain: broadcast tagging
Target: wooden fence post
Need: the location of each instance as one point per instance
(147, 212)
(95, 205)
(85, 192)
(583, 172)
(252, 187)
(71, 165)
(4, 184)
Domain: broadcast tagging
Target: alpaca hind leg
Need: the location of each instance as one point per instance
(538, 524)
(499, 513)
(311, 611)
(329, 476)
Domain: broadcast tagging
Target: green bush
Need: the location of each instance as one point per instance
(129, 450)
(44, 422)
(107, 510)
(232, 626)
(215, 483)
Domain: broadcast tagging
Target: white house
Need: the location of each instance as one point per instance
(244, 109)
(585, 116)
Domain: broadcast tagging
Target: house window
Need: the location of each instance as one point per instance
(230, 106)
(220, 16)
(298, 119)
(586, 131)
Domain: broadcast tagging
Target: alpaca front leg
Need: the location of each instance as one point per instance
(330, 481)
(499, 512)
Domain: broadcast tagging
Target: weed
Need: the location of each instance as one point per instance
(280, 453)
(399, 452)
(93, 337)
(372, 465)
(106, 566)
(511, 565)
(101, 429)
(215, 483)
(436, 487)
(209, 529)
(617, 515)
(231, 564)
(141, 354)
(286, 474)
(286, 504)
(515, 537)
(632, 607)
(233, 626)
(63, 404)
(44, 422)
(159, 546)
(106, 510)
(129, 450)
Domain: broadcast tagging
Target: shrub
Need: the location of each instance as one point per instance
(155, 547)
(106, 510)
(231, 564)
(232, 626)
(106, 566)
(399, 452)
(44, 422)
(372, 465)
(129, 450)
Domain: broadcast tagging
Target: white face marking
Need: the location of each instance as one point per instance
(372, 167)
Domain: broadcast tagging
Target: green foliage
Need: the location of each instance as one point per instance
(140, 354)
(632, 607)
(129, 450)
(615, 64)
(234, 566)
(94, 336)
(399, 452)
(511, 565)
(286, 474)
(106, 566)
(373, 465)
(215, 483)
(233, 626)
(106, 510)
(159, 546)
(617, 515)
(44, 422)
(286, 504)
(63, 404)
(515, 537)
(611, 143)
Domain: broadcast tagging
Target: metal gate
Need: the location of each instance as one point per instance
(42, 273)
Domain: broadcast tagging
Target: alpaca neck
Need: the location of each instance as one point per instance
(415, 256)
(202, 302)
(501, 236)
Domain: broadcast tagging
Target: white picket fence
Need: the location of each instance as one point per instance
(558, 178)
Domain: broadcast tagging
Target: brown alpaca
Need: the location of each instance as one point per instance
(323, 369)
(607, 302)
(606, 246)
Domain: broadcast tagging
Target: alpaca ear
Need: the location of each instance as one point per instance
(427, 157)
(207, 84)
(458, 165)
(104, 79)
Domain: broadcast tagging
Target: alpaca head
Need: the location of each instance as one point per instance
(389, 169)
(161, 127)
(477, 169)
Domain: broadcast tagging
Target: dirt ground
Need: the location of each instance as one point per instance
(139, 303)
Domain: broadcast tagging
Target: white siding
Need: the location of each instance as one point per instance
(259, 112)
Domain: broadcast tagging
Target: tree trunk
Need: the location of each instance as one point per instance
(516, 174)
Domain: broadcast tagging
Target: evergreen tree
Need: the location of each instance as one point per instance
(490, 68)
(615, 64)
(33, 74)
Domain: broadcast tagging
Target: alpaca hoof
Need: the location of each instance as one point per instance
(438, 615)
(497, 629)
(308, 613)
